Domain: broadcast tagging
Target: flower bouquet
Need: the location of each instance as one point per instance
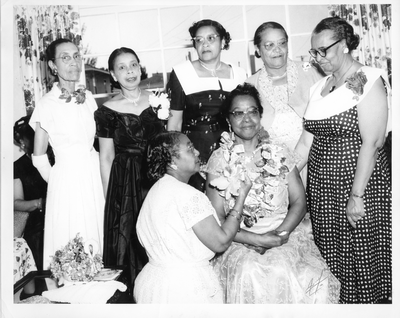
(77, 261)
(160, 104)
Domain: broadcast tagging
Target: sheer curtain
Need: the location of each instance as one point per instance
(36, 27)
(372, 22)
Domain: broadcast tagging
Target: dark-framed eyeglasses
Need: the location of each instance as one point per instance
(67, 58)
(239, 114)
(210, 39)
(321, 51)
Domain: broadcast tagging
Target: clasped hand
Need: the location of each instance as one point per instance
(355, 210)
(269, 240)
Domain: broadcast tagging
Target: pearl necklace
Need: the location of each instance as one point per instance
(134, 101)
(213, 71)
(334, 86)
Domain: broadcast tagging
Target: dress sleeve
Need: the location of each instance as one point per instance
(41, 116)
(175, 92)
(196, 208)
(105, 123)
(216, 164)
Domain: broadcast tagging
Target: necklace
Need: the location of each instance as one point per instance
(334, 86)
(213, 71)
(134, 101)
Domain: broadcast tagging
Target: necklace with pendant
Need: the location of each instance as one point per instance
(134, 101)
(213, 71)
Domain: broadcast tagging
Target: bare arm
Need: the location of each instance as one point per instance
(107, 155)
(41, 141)
(175, 120)
(218, 238)
(372, 116)
(19, 199)
(303, 148)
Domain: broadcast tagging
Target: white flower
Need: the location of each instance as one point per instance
(306, 66)
(160, 104)
(163, 113)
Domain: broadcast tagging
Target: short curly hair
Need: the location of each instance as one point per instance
(160, 152)
(218, 28)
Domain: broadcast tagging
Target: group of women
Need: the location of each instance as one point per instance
(165, 220)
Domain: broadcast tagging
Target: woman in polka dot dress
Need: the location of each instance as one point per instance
(348, 188)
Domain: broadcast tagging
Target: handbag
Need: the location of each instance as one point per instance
(20, 219)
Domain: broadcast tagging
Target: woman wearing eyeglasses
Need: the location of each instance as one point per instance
(283, 84)
(273, 259)
(348, 189)
(198, 88)
(64, 118)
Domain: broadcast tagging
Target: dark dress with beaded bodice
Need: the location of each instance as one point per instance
(127, 184)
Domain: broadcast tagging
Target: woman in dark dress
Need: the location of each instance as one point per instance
(124, 125)
(198, 88)
(30, 190)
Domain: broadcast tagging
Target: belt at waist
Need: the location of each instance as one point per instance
(179, 264)
(202, 127)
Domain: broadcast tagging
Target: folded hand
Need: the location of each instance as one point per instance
(355, 210)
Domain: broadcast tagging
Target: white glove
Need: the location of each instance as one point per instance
(42, 164)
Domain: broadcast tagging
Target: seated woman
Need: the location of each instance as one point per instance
(179, 228)
(288, 269)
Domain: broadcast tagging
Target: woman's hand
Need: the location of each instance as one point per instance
(355, 210)
(274, 239)
(245, 187)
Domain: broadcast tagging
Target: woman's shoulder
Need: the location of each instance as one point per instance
(253, 79)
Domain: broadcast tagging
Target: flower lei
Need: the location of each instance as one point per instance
(79, 94)
(269, 168)
(76, 261)
(356, 83)
(160, 104)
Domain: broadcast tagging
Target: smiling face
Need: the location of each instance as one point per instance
(67, 71)
(273, 48)
(126, 70)
(334, 55)
(188, 161)
(245, 127)
(208, 51)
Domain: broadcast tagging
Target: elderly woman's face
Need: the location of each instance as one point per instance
(208, 43)
(245, 117)
(273, 48)
(334, 55)
(188, 160)
(67, 62)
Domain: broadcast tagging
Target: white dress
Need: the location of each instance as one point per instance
(75, 199)
(178, 270)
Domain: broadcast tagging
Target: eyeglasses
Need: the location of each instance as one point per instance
(239, 114)
(321, 51)
(271, 45)
(210, 39)
(67, 58)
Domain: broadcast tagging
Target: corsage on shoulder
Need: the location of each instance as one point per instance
(356, 83)
(160, 104)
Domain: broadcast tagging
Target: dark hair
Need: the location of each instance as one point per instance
(161, 149)
(241, 90)
(262, 28)
(341, 30)
(22, 131)
(218, 28)
(113, 57)
(51, 49)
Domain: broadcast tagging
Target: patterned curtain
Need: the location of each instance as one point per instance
(372, 23)
(37, 27)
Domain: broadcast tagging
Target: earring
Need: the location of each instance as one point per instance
(55, 71)
(173, 166)
(345, 50)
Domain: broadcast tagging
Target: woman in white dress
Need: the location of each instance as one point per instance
(179, 228)
(64, 117)
(291, 270)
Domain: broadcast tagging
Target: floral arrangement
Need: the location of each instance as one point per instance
(160, 104)
(306, 66)
(77, 261)
(79, 94)
(356, 83)
(270, 167)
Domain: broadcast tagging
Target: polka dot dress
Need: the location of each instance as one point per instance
(360, 258)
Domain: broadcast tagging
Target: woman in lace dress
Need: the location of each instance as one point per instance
(348, 190)
(125, 123)
(283, 84)
(179, 228)
(283, 265)
(198, 88)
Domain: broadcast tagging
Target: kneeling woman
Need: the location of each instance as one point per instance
(281, 265)
(179, 228)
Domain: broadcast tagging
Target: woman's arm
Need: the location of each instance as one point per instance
(19, 199)
(218, 238)
(107, 155)
(39, 158)
(372, 118)
(303, 148)
(175, 120)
